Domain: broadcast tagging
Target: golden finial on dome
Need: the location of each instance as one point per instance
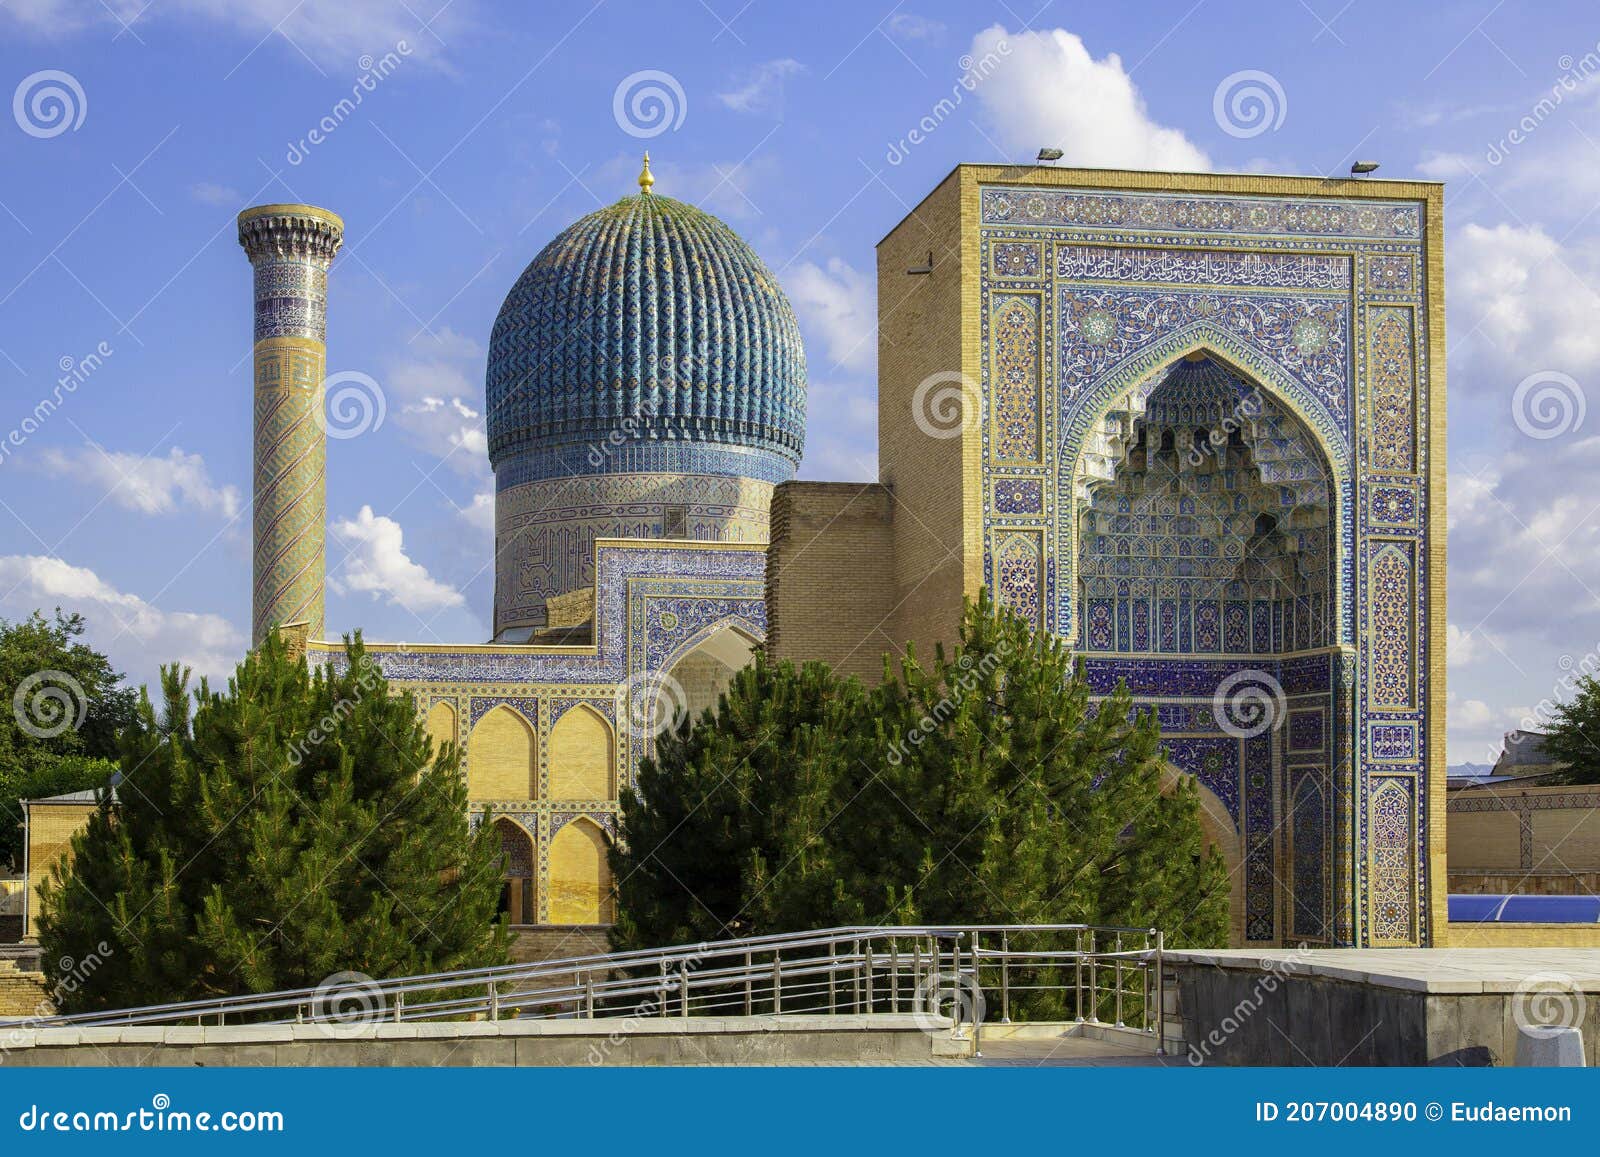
(645, 178)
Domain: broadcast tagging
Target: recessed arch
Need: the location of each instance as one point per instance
(1143, 366)
(704, 666)
(502, 757)
(580, 875)
(582, 755)
(1222, 837)
(1096, 445)
(440, 724)
(518, 892)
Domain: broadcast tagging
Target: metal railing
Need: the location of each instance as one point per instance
(956, 974)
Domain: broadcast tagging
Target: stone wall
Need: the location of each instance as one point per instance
(830, 576)
(838, 1040)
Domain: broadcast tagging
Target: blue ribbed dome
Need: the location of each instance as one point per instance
(647, 321)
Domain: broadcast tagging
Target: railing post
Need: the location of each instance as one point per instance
(399, 1008)
(1161, 993)
(662, 988)
(494, 1000)
(869, 975)
(683, 988)
(855, 982)
(1005, 978)
(1094, 980)
(1119, 980)
(777, 982)
(833, 963)
(588, 994)
(894, 974)
(749, 991)
(1077, 971)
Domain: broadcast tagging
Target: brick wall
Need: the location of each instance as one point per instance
(1524, 830)
(830, 577)
(50, 830)
(928, 325)
(22, 993)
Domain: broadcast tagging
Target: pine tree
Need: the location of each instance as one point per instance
(726, 803)
(988, 786)
(296, 825)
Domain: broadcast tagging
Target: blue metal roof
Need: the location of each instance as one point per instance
(1476, 909)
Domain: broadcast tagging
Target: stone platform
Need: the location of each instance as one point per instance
(1396, 1006)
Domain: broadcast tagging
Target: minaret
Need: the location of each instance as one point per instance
(290, 247)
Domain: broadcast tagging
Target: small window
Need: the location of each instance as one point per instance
(675, 522)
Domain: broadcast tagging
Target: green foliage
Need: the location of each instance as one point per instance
(73, 705)
(298, 824)
(984, 787)
(1574, 736)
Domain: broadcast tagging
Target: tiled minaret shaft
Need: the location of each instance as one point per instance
(290, 247)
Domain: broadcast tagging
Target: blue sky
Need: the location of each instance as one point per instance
(484, 129)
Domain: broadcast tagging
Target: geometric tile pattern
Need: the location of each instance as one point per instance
(290, 249)
(1310, 308)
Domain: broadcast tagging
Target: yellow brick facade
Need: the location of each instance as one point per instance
(51, 826)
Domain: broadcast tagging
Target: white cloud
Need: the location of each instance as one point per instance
(431, 387)
(149, 485)
(479, 514)
(1463, 647)
(760, 89)
(211, 193)
(1048, 90)
(334, 33)
(133, 633)
(377, 564)
(909, 26)
(838, 304)
(1521, 299)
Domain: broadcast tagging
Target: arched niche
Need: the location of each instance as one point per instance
(440, 724)
(580, 875)
(518, 893)
(1222, 837)
(502, 757)
(582, 756)
(702, 673)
